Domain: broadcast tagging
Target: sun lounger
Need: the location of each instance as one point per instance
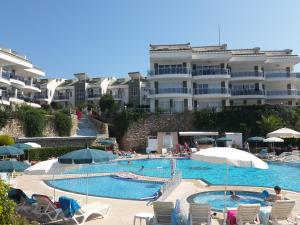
(72, 211)
(25, 204)
(281, 211)
(163, 213)
(45, 207)
(199, 214)
(245, 214)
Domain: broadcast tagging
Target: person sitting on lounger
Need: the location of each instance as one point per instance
(233, 195)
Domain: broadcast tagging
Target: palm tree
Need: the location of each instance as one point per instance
(269, 123)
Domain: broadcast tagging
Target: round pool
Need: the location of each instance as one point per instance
(216, 199)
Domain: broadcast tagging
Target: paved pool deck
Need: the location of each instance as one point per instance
(122, 211)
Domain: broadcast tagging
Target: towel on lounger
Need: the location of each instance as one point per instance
(69, 206)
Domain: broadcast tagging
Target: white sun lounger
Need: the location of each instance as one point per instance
(86, 211)
(247, 214)
(281, 211)
(199, 214)
(163, 213)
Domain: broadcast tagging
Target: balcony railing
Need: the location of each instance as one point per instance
(204, 72)
(41, 96)
(247, 74)
(117, 96)
(4, 96)
(292, 92)
(247, 92)
(207, 91)
(5, 75)
(94, 95)
(16, 77)
(171, 91)
(281, 75)
(61, 97)
(165, 71)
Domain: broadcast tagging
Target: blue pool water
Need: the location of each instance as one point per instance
(285, 175)
(108, 186)
(216, 199)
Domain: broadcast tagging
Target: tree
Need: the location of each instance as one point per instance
(107, 103)
(269, 123)
(6, 206)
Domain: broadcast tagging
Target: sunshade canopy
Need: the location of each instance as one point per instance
(273, 140)
(22, 146)
(106, 142)
(284, 133)
(86, 156)
(33, 144)
(11, 166)
(10, 150)
(255, 139)
(205, 140)
(230, 156)
(224, 139)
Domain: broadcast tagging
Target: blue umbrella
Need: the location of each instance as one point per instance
(22, 146)
(86, 156)
(224, 139)
(106, 142)
(11, 166)
(255, 139)
(206, 140)
(10, 150)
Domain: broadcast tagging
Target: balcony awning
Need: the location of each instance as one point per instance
(198, 133)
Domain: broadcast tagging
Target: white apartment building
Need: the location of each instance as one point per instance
(183, 77)
(82, 89)
(18, 79)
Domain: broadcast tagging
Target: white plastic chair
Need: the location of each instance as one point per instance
(281, 211)
(163, 212)
(200, 213)
(247, 214)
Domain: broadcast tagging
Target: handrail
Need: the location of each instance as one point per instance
(204, 91)
(210, 71)
(169, 186)
(171, 91)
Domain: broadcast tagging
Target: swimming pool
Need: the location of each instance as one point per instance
(108, 186)
(216, 199)
(285, 175)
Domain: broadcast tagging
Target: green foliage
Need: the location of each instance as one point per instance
(6, 140)
(4, 116)
(41, 154)
(33, 120)
(63, 124)
(269, 123)
(56, 105)
(107, 103)
(6, 206)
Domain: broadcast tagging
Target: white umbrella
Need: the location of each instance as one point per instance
(33, 145)
(229, 156)
(51, 166)
(273, 140)
(284, 133)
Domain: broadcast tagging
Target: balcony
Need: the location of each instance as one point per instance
(171, 92)
(211, 73)
(4, 78)
(211, 92)
(94, 95)
(61, 98)
(280, 94)
(30, 86)
(4, 97)
(41, 96)
(17, 80)
(281, 76)
(247, 75)
(248, 93)
(169, 73)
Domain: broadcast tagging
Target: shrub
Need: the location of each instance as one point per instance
(6, 140)
(33, 121)
(63, 124)
(4, 116)
(6, 206)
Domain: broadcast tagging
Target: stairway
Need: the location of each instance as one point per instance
(86, 127)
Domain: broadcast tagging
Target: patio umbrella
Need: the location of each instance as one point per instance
(223, 139)
(51, 166)
(10, 150)
(284, 133)
(229, 156)
(22, 146)
(8, 166)
(86, 156)
(273, 140)
(255, 139)
(106, 142)
(206, 140)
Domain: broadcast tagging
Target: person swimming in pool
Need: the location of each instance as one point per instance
(233, 195)
(142, 168)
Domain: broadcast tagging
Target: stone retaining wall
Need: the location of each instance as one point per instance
(101, 127)
(138, 132)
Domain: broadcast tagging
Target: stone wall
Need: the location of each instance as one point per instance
(13, 128)
(138, 132)
(74, 124)
(102, 128)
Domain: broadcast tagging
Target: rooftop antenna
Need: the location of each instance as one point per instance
(219, 29)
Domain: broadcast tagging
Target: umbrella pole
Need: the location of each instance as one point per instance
(225, 192)
(53, 188)
(87, 189)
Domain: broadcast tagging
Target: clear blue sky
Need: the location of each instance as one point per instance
(112, 37)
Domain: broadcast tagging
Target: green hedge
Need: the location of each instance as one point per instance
(63, 124)
(41, 154)
(6, 140)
